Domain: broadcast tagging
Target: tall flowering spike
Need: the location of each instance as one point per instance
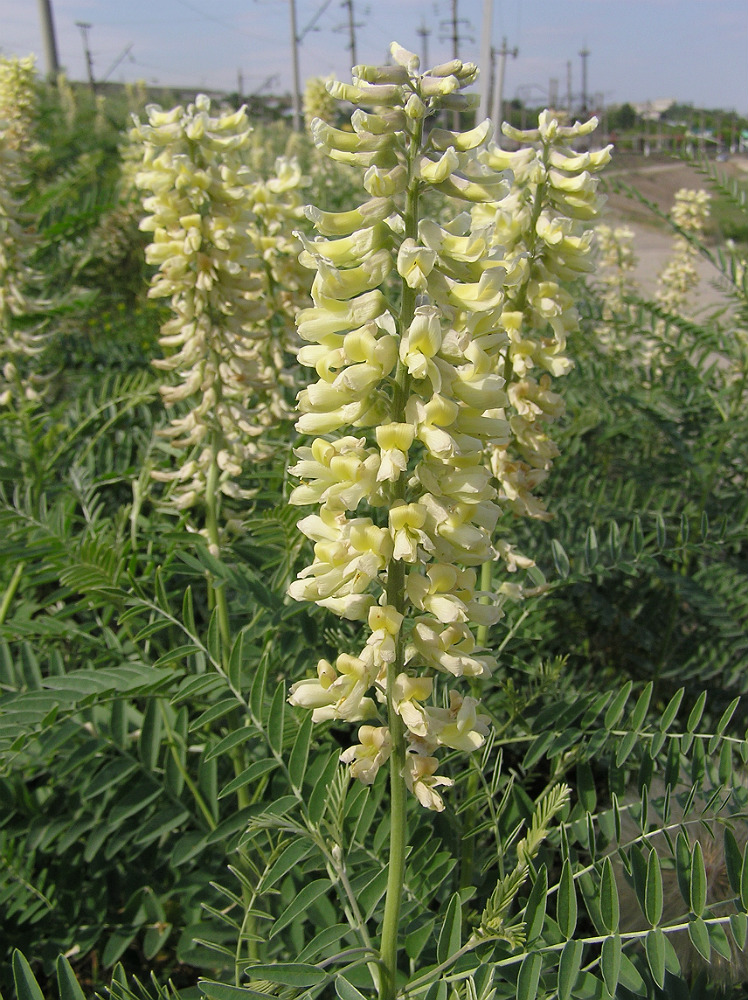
(616, 263)
(276, 206)
(200, 216)
(544, 227)
(18, 102)
(317, 101)
(405, 404)
(680, 277)
(22, 336)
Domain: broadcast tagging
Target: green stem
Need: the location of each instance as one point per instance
(11, 591)
(398, 792)
(395, 594)
(467, 847)
(218, 591)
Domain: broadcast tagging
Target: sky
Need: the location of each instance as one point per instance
(695, 51)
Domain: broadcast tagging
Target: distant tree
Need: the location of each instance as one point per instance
(622, 117)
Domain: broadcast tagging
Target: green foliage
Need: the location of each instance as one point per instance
(162, 807)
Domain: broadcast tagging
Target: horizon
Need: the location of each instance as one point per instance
(692, 51)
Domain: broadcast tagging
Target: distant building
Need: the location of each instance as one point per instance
(652, 111)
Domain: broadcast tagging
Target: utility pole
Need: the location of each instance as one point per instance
(50, 42)
(498, 91)
(568, 89)
(584, 53)
(296, 96)
(239, 84)
(351, 32)
(454, 25)
(484, 108)
(85, 26)
(424, 32)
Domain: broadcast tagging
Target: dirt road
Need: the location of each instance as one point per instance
(657, 182)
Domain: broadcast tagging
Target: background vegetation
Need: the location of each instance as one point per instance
(161, 816)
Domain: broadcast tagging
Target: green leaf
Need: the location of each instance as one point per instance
(67, 984)
(165, 820)
(653, 894)
(696, 712)
(535, 907)
(684, 529)
(154, 939)
(321, 791)
(257, 691)
(300, 904)
(616, 707)
(149, 742)
(671, 710)
(630, 978)
(113, 773)
(217, 711)
(26, 985)
(296, 851)
(627, 744)
(697, 884)
(654, 946)
(660, 531)
(733, 860)
(699, 935)
(188, 611)
(297, 974)
(585, 787)
(560, 559)
(252, 773)
(276, 718)
(614, 541)
(529, 977)
(728, 713)
(739, 929)
(450, 936)
(222, 991)
(236, 661)
(591, 548)
(346, 990)
(656, 744)
(744, 880)
(214, 644)
(300, 753)
(235, 738)
(609, 906)
(416, 940)
(683, 866)
(637, 536)
(610, 962)
(568, 968)
(117, 943)
(641, 708)
(566, 902)
(719, 941)
(725, 765)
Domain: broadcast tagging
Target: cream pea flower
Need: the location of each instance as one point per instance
(338, 692)
(422, 781)
(372, 751)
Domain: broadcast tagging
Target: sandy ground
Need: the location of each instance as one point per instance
(657, 181)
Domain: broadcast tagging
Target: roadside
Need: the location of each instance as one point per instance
(657, 181)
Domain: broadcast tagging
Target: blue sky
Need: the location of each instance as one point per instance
(695, 51)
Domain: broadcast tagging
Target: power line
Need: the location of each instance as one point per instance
(310, 27)
(351, 28)
(85, 26)
(217, 20)
(424, 32)
(455, 37)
